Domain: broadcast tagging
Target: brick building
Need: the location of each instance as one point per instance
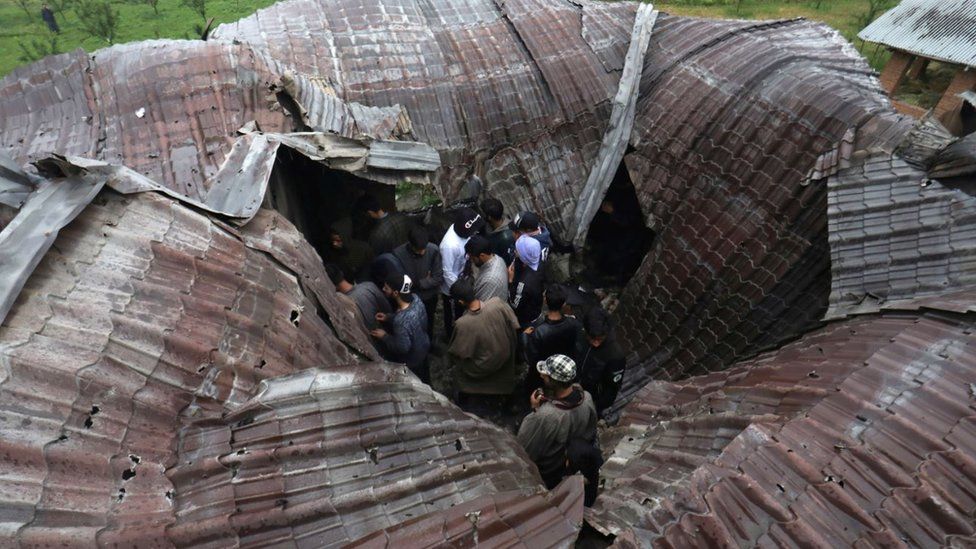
(920, 31)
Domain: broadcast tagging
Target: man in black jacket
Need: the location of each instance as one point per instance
(552, 334)
(601, 360)
(421, 261)
(389, 229)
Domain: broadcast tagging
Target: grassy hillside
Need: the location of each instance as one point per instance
(137, 21)
(844, 15)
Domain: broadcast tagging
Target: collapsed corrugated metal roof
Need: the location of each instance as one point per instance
(758, 102)
(129, 360)
(856, 433)
(138, 344)
(324, 457)
(944, 30)
(859, 433)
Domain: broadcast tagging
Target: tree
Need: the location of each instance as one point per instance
(37, 49)
(25, 5)
(198, 6)
(98, 19)
(154, 4)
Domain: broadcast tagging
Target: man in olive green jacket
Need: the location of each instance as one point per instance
(483, 351)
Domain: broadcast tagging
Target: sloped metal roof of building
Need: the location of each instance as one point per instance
(944, 30)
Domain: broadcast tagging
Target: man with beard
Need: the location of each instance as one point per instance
(491, 279)
(421, 261)
(561, 412)
(408, 341)
(352, 256)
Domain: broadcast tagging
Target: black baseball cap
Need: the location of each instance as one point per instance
(525, 222)
(467, 222)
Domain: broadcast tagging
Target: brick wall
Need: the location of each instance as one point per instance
(949, 105)
(895, 70)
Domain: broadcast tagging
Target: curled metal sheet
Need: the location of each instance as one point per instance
(142, 315)
(323, 457)
(732, 117)
(859, 433)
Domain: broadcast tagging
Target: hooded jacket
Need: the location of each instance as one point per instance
(601, 370)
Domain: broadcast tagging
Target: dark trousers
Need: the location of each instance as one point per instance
(452, 312)
(431, 307)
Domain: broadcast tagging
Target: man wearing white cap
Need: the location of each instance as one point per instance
(409, 342)
(561, 411)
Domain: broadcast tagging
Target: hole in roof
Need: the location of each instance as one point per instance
(618, 237)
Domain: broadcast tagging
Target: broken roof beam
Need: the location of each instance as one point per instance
(617, 135)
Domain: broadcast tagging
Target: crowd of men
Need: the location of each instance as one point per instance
(515, 341)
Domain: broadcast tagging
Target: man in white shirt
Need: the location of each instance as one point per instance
(467, 222)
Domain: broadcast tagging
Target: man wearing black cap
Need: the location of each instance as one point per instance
(408, 343)
(466, 223)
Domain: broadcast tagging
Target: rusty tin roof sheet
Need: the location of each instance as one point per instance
(324, 457)
(938, 29)
(134, 356)
(859, 433)
(733, 116)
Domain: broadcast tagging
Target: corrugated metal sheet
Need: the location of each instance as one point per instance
(493, 521)
(731, 120)
(860, 433)
(896, 235)
(323, 457)
(938, 29)
(142, 315)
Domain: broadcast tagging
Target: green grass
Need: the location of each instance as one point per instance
(842, 15)
(136, 22)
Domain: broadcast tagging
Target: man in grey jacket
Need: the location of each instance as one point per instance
(491, 279)
(561, 412)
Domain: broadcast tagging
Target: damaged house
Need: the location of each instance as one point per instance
(176, 370)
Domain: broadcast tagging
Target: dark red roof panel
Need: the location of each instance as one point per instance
(856, 433)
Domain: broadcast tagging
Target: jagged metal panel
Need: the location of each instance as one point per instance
(15, 184)
(143, 314)
(169, 110)
(860, 433)
(938, 29)
(897, 236)
(617, 137)
(323, 457)
(493, 521)
(732, 118)
(49, 106)
(955, 160)
(509, 91)
(321, 110)
(25, 240)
